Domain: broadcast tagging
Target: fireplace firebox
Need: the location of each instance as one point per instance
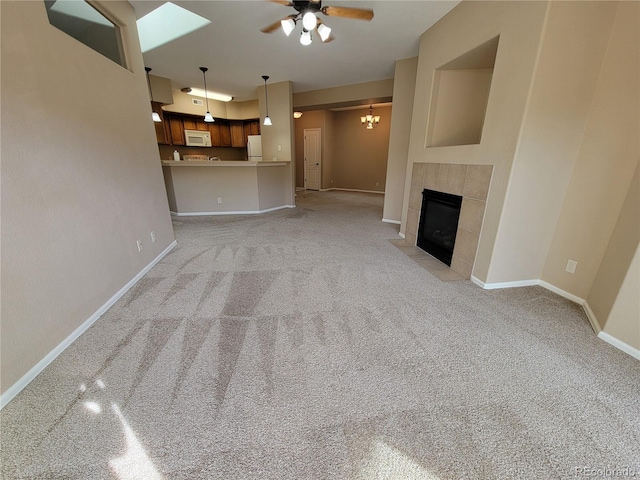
(439, 224)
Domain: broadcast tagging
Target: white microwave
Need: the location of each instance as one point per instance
(197, 138)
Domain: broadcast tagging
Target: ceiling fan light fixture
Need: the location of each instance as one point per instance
(305, 37)
(309, 21)
(288, 25)
(324, 32)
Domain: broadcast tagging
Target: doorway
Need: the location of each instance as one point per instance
(312, 158)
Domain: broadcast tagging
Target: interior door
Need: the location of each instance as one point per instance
(312, 159)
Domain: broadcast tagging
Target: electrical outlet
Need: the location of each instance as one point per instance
(377, 184)
(279, 148)
(275, 159)
(153, 237)
(332, 180)
(139, 243)
(571, 266)
(219, 199)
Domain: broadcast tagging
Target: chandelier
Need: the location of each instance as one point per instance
(371, 121)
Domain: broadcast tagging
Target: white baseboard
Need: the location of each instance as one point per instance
(239, 212)
(17, 387)
(620, 345)
(593, 321)
(592, 318)
(349, 190)
(493, 286)
(395, 222)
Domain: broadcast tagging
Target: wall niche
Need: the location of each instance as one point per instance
(459, 97)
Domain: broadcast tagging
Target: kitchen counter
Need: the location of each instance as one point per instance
(222, 163)
(227, 187)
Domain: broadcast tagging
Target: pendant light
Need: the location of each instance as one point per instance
(207, 117)
(154, 115)
(370, 121)
(267, 120)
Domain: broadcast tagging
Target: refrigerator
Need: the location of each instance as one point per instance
(254, 148)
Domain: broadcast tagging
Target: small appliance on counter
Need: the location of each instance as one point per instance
(195, 158)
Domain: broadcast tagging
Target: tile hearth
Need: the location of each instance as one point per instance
(434, 266)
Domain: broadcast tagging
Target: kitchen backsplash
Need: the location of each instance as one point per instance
(225, 153)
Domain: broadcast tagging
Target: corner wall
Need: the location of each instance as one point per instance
(404, 84)
(470, 24)
(81, 181)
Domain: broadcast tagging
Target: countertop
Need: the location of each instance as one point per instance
(221, 163)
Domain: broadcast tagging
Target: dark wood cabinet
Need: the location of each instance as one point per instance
(214, 130)
(194, 123)
(225, 134)
(251, 127)
(189, 123)
(254, 127)
(162, 131)
(176, 128)
(237, 134)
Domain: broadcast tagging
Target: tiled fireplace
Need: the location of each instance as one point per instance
(469, 181)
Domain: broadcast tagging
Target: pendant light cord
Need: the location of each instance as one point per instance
(147, 69)
(266, 95)
(204, 76)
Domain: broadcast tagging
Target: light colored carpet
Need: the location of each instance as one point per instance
(301, 344)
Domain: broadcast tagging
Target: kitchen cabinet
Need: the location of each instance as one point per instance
(251, 127)
(237, 134)
(214, 130)
(162, 130)
(254, 127)
(191, 123)
(225, 134)
(176, 127)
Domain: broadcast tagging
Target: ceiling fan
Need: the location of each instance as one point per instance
(307, 12)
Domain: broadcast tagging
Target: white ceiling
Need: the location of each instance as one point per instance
(238, 54)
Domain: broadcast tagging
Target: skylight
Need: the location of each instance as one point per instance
(166, 23)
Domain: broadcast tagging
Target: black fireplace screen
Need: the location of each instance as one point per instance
(439, 224)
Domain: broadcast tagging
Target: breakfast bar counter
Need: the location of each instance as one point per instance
(227, 187)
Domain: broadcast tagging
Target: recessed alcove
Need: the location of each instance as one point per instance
(459, 97)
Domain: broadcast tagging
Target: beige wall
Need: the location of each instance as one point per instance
(606, 158)
(613, 298)
(569, 65)
(311, 119)
(360, 155)
(369, 92)
(278, 140)
(194, 189)
(469, 25)
(273, 187)
(404, 84)
(182, 103)
(459, 104)
(81, 181)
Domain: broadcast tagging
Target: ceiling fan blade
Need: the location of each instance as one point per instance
(348, 12)
(286, 3)
(273, 27)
